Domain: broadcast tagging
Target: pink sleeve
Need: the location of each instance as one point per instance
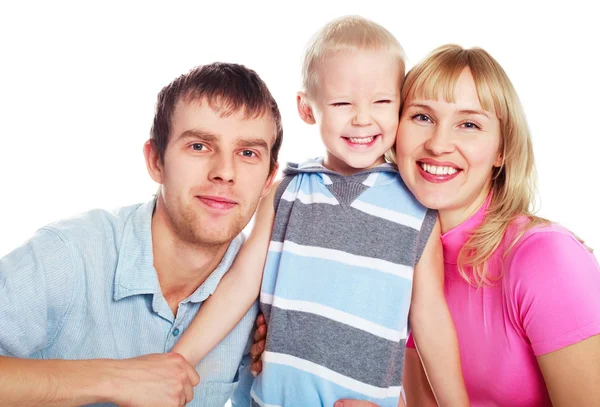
(410, 343)
(555, 284)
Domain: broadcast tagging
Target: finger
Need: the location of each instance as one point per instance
(192, 374)
(257, 349)
(188, 390)
(260, 320)
(260, 333)
(256, 368)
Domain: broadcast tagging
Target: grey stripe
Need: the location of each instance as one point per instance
(360, 234)
(347, 192)
(285, 181)
(344, 349)
(426, 228)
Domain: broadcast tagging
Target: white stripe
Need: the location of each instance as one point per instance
(259, 401)
(334, 377)
(334, 315)
(308, 199)
(326, 179)
(275, 246)
(390, 215)
(371, 179)
(310, 164)
(384, 266)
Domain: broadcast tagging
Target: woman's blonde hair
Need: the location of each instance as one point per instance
(348, 33)
(513, 184)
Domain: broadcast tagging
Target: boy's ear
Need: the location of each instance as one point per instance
(304, 108)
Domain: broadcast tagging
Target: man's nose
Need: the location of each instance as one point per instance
(222, 168)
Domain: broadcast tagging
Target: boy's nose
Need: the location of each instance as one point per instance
(362, 118)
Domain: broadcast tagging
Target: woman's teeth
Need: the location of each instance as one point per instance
(438, 170)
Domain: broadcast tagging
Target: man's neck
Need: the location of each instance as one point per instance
(181, 267)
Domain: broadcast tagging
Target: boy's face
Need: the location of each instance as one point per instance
(356, 105)
(215, 170)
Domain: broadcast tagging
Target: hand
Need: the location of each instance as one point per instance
(258, 347)
(158, 380)
(353, 403)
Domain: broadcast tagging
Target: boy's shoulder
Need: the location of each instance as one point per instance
(379, 190)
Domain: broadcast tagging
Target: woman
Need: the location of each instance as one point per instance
(524, 293)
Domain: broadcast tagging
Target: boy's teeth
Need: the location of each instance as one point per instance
(438, 170)
(361, 140)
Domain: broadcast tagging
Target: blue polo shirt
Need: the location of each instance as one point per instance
(86, 288)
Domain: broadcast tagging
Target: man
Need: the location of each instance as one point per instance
(84, 298)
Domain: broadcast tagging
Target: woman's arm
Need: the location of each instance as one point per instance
(572, 374)
(555, 288)
(415, 383)
(236, 292)
(433, 328)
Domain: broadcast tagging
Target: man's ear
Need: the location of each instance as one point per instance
(153, 161)
(269, 181)
(304, 109)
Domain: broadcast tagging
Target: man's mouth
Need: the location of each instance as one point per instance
(217, 202)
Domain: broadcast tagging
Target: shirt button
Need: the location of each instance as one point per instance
(175, 331)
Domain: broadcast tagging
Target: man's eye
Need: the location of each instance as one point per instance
(338, 104)
(198, 146)
(248, 153)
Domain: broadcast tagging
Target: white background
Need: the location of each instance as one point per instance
(78, 82)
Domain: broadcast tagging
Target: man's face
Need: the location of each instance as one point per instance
(214, 172)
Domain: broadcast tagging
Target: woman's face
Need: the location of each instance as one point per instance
(446, 151)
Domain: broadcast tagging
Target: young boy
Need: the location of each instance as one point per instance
(345, 237)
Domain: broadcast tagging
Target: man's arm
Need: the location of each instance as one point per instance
(36, 286)
(153, 380)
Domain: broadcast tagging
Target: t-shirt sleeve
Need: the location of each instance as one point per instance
(410, 343)
(555, 285)
(36, 290)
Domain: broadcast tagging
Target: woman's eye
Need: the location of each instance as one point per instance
(470, 125)
(384, 101)
(338, 104)
(198, 146)
(421, 117)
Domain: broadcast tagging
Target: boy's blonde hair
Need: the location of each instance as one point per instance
(347, 33)
(513, 184)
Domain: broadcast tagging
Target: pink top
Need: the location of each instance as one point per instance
(547, 298)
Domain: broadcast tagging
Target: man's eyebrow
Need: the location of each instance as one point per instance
(198, 134)
(253, 142)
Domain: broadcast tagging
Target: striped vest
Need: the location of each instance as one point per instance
(337, 286)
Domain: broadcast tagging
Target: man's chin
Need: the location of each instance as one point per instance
(216, 236)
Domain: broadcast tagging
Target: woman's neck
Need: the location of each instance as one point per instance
(452, 217)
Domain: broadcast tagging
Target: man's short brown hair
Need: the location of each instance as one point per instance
(230, 86)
